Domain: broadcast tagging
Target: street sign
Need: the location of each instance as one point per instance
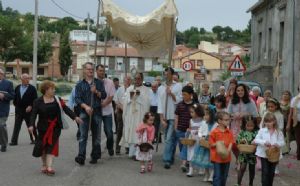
(235, 73)
(237, 65)
(187, 66)
(199, 76)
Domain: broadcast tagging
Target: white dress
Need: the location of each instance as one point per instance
(198, 128)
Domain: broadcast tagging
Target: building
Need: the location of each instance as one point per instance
(82, 35)
(275, 41)
(208, 47)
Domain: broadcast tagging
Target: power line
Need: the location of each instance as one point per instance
(66, 11)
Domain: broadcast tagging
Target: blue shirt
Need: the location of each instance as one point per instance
(23, 89)
(71, 102)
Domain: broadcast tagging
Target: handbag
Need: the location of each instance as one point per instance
(37, 149)
(65, 124)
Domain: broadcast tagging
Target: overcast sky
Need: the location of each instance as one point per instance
(199, 13)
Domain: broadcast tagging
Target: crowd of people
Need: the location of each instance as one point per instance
(168, 111)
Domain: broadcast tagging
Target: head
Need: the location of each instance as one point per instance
(169, 72)
(270, 121)
(256, 91)
(273, 105)
(116, 82)
(209, 115)
(232, 84)
(148, 118)
(1, 74)
(205, 88)
(100, 69)
(89, 69)
(127, 81)
(154, 86)
(158, 80)
(220, 102)
(241, 94)
(190, 85)
(249, 123)
(139, 77)
(223, 119)
(47, 88)
(187, 94)
(222, 90)
(196, 111)
(286, 96)
(176, 77)
(267, 94)
(25, 79)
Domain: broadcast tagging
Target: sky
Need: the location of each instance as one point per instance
(198, 13)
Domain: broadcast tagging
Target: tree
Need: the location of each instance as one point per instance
(65, 53)
(179, 38)
(1, 7)
(45, 49)
(202, 31)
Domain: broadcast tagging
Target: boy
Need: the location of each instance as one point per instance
(221, 133)
(182, 122)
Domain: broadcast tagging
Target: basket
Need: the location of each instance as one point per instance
(246, 149)
(187, 141)
(273, 154)
(204, 143)
(221, 149)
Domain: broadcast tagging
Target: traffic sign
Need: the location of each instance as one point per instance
(235, 73)
(237, 65)
(199, 76)
(187, 66)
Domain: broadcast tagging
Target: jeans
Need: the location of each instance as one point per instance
(267, 172)
(3, 132)
(220, 174)
(96, 140)
(169, 151)
(182, 148)
(107, 122)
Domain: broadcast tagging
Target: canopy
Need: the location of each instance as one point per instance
(151, 35)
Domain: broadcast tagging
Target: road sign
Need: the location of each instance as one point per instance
(237, 65)
(199, 76)
(187, 66)
(235, 73)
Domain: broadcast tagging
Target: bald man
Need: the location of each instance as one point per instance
(25, 94)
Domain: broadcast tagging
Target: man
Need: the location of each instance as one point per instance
(169, 95)
(88, 90)
(116, 83)
(153, 109)
(158, 80)
(6, 95)
(136, 104)
(205, 96)
(119, 99)
(25, 94)
(107, 108)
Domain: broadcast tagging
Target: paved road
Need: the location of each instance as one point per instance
(18, 167)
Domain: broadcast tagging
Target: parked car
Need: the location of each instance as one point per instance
(148, 81)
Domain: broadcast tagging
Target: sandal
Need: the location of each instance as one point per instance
(44, 169)
(50, 171)
(150, 166)
(143, 170)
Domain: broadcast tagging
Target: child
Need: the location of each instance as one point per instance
(182, 123)
(246, 136)
(145, 132)
(221, 134)
(220, 103)
(197, 128)
(201, 156)
(270, 136)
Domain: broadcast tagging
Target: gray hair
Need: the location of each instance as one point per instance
(256, 88)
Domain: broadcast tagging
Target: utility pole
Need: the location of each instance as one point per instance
(97, 34)
(88, 39)
(35, 45)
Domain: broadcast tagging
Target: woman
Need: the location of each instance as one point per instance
(49, 124)
(255, 95)
(241, 104)
(230, 91)
(285, 105)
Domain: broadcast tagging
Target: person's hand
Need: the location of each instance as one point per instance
(78, 120)
(88, 110)
(30, 129)
(168, 90)
(93, 89)
(28, 109)
(1, 96)
(164, 123)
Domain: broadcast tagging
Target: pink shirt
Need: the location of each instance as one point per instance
(150, 131)
(110, 91)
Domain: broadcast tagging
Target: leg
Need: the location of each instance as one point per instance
(217, 175)
(96, 137)
(3, 134)
(241, 172)
(84, 128)
(44, 164)
(272, 167)
(107, 121)
(251, 174)
(297, 135)
(49, 162)
(143, 169)
(169, 145)
(120, 130)
(150, 165)
(17, 128)
(264, 172)
(225, 170)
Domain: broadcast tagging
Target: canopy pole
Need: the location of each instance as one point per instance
(125, 62)
(97, 34)
(171, 42)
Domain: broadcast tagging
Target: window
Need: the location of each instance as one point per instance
(25, 70)
(10, 69)
(41, 71)
(270, 44)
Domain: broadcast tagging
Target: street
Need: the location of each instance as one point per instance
(18, 167)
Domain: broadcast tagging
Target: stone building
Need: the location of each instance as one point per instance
(275, 40)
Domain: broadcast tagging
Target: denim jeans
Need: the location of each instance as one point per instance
(182, 148)
(96, 140)
(169, 151)
(107, 125)
(3, 132)
(267, 172)
(220, 174)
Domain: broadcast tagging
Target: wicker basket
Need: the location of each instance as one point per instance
(187, 141)
(246, 149)
(221, 149)
(204, 143)
(273, 154)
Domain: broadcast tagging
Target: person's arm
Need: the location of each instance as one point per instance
(15, 98)
(10, 92)
(110, 95)
(290, 118)
(280, 140)
(212, 140)
(152, 135)
(259, 139)
(176, 95)
(176, 122)
(66, 109)
(34, 113)
(101, 93)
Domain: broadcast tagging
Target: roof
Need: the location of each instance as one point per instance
(197, 51)
(256, 5)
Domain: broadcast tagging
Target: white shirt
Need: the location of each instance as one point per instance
(264, 136)
(153, 98)
(110, 91)
(176, 89)
(120, 95)
(297, 105)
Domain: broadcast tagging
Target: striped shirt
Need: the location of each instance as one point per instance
(184, 116)
(83, 94)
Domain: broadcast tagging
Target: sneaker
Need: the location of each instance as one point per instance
(167, 166)
(205, 179)
(79, 160)
(3, 148)
(93, 161)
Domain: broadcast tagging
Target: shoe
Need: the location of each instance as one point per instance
(150, 167)
(50, 171)
(167, 166)
(190, 173)
(93, 161)
(44, 170)
(205, 179)
(111, 152)
(79, 160)
(126, 150)
(183, 168)
(32, 142)
(13, 144)
(3, 148)
(143, 170)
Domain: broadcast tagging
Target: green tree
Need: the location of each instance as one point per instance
(45, 49)
(202, 31)
(65, 54)
(1, 7)
(179, 38)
